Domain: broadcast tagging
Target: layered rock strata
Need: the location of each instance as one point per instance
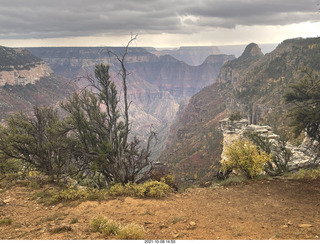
(19, 67)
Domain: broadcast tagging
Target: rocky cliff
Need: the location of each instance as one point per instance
(26, 81)
(300, 156)
(19, 67)
(156, 84)
(252, 84)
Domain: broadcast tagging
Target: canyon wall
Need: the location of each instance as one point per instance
(12, 76)
(19, 67)
(253, 85)
(26, 81)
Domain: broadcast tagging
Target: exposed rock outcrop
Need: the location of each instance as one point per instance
(19, 67)
(24, 76)
(252, 85)
(26, 81)
(301, 157)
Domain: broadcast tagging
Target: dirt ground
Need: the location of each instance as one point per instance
(265, 209)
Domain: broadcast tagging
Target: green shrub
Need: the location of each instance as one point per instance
(176, 220)
(156, 189)
(74, 220)
(245, 157)
(168, 179)
(118, 190)
(107, 227)
(97, 195)
(69, 194)
(308, 174)
(6, 221)
(34, 184)
(280, 154)
(97, 223)
(231, 180)
(235, 115)
(10, 166)
(153, 189)
(110, 227)
(60, 229)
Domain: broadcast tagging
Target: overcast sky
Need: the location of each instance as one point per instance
(158, 23)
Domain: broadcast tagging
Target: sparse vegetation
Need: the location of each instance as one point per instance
(236, 115)
(308, 174)
(97, 223)
(71, 193)
(153, 189)
(60, 229)
(148, 212)
(74, 221)
(132, 232)
(6, 221)
(34, 184)
(176, 219)
(239, 179)
(110, 227)
(237, 231)
(52, 218)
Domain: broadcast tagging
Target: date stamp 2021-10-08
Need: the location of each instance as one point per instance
(160, 241)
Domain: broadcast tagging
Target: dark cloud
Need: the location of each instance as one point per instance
(71, 18)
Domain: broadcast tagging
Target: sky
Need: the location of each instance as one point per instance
(158, 23)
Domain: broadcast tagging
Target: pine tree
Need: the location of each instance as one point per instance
(304, 96)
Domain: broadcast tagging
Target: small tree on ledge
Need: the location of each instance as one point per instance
(236, 115)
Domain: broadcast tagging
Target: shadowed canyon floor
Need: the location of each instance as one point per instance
(265, 209)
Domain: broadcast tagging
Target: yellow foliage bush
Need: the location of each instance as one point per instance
(69, 194)
(245, 157)
(131, 232)
(168, 179)
(156, 189)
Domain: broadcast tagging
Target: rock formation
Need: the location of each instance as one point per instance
(301, 156)
(254, 85)
(14, 72)
(26, 81)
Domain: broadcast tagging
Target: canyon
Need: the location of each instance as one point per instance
(253, 85)
(157, 85)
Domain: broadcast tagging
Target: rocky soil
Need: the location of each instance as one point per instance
(265, 209)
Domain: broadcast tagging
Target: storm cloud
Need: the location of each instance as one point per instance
(20, 19)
